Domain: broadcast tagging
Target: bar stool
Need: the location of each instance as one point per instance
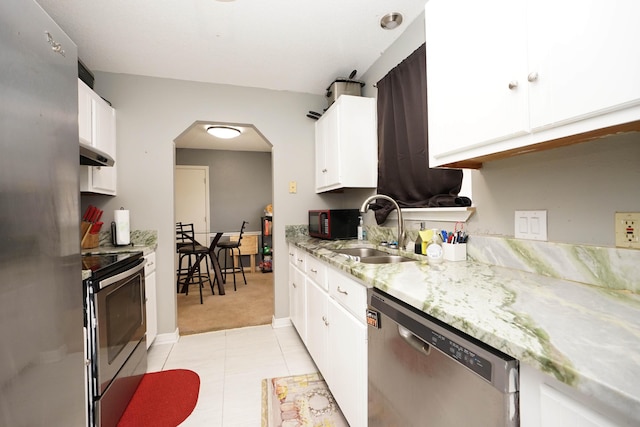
(181, 241)
(195, 253)
(229, 247)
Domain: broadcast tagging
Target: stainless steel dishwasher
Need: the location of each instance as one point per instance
(424, 373)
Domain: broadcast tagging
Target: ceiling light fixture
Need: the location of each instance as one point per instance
(391, 21)
(224, 132)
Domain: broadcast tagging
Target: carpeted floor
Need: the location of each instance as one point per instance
(300, 400)
(251, 305)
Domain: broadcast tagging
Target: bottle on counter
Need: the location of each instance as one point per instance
(360, 229)
(418, 243)
(434, 250)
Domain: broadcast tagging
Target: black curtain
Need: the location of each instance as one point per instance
(403, 157)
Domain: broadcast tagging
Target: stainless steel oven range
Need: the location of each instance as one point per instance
(116, 333)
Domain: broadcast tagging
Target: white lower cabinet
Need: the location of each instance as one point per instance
(297, 294)
(317, 326)
(347, 370)
(297, 297)
(151, 300)
(336, 332)
(545, 402)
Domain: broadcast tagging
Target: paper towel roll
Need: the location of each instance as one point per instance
(121, 218)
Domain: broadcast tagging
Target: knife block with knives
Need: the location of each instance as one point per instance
(90, 228)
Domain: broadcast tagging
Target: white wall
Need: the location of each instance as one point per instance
(151, 112)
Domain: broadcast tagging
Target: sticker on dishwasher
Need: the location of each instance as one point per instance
(373, 318)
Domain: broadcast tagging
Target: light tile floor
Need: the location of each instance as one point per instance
(231, 365)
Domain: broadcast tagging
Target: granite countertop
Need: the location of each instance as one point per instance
(110, 249)
(584, 335)
(141, 240)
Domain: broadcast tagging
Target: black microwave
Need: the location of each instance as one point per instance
(334, 223)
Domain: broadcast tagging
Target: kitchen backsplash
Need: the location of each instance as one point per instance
(606, 267)
(138, 238)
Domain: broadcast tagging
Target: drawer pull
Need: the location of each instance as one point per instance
(313, 270)
(324, 319)
(300, 259)
(294, 285)
(342, 292)
(513, 84)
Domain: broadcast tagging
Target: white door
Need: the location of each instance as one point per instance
(192, 199)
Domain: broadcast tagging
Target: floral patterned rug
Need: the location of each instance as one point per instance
(299, 401)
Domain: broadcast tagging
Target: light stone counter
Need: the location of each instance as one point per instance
(145, 241)
(572, 312)
(141, 240)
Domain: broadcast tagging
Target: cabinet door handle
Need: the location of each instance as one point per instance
(290, 254)
(513, 84)
(294, 285)
(313, 270)
(324, 319)
(342, 292)
(533, 76)
(324, 171)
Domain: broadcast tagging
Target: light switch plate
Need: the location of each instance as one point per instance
(627, 229)
(531, 225)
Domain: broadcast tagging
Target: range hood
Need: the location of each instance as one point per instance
(91, 156)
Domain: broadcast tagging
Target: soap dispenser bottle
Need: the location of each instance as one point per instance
(418, 244)
(434, 248)
(360, 229)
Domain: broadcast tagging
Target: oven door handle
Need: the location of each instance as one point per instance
(130, 272)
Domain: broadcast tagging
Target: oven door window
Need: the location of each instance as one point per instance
(124, 316)
(119, 323)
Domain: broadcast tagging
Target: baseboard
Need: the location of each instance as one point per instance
(281, 322)
(170, 338)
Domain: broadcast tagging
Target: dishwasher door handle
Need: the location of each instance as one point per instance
(414, 341)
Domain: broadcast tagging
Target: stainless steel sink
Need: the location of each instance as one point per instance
(385, 259)
(360, 252)
(372, 256)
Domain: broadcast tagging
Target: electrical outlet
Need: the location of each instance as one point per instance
(627, 230)
(293, 187)
(531, 225)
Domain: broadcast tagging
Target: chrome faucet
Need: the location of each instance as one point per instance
(365, 207)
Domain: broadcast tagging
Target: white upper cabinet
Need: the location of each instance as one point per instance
(97, 127)
(347, 145)
(505, 75)
(85, 114)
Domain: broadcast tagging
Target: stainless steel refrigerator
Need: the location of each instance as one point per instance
(42, 371)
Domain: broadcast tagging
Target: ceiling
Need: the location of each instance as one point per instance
(292, 45)
(196, 137)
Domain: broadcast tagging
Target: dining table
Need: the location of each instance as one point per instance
(214, 262)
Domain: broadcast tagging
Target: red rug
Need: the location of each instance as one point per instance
(163, 399)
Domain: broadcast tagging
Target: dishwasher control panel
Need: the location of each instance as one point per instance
(460, 353)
